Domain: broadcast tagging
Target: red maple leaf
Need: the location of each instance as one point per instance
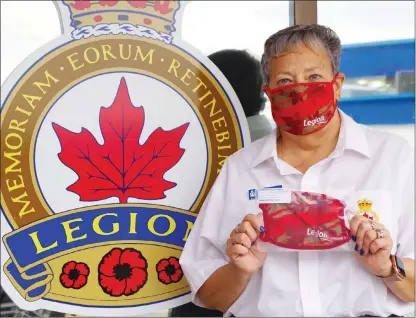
(121, 167)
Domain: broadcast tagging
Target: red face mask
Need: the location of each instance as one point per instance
(302, 108)
(311, 221)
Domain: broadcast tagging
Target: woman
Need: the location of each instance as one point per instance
(317, 148)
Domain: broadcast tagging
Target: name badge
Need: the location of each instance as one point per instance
(252, 193)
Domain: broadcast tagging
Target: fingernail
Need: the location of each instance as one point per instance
(262, 228)
(356, 247)
(353, 238)
(362, 252)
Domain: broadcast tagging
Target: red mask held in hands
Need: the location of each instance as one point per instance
(310, 221)
(302, 108)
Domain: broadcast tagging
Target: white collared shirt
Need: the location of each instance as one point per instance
(366, 163)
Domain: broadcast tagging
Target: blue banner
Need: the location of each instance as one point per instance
(67, 232)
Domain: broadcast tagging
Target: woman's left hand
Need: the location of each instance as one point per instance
(373, 245)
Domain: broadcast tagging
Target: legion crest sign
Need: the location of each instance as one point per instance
(111, 136)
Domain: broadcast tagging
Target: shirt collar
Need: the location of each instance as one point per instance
(351, 137)
(266, 148)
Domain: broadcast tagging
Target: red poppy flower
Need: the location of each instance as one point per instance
(74, 275)
(122, 272)
(169, 270)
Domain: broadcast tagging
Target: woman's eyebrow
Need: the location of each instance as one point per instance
(311, 69)
(284, 73)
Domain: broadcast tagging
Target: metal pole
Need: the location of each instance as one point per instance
(291, 12)
(303, 12)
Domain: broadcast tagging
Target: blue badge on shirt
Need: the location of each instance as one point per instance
(252, 193)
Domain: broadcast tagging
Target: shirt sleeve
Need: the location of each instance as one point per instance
(205, 249)
(406, 222)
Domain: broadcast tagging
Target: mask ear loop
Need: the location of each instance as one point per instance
(335, 78)
(332, 83)
(266, 90)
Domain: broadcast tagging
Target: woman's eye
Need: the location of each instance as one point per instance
(283, 81)
(315, 77)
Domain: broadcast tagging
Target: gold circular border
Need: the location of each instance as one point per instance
(72, 44)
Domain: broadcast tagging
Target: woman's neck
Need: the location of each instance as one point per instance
(302, 152)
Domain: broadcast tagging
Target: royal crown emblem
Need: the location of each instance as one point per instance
(111, 138)
(150, 19)
(365, 210)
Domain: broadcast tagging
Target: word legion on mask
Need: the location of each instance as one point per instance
(316, 233)
(313, 122)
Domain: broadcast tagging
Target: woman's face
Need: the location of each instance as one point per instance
(304, 65)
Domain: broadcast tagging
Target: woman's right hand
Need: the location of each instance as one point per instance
(240, 246)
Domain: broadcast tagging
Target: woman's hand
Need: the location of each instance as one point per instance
(240, 249)
(373, 245)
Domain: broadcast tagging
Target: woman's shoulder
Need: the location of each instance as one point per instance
(384, 144)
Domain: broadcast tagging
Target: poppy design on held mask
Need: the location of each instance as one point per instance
(302, 108)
